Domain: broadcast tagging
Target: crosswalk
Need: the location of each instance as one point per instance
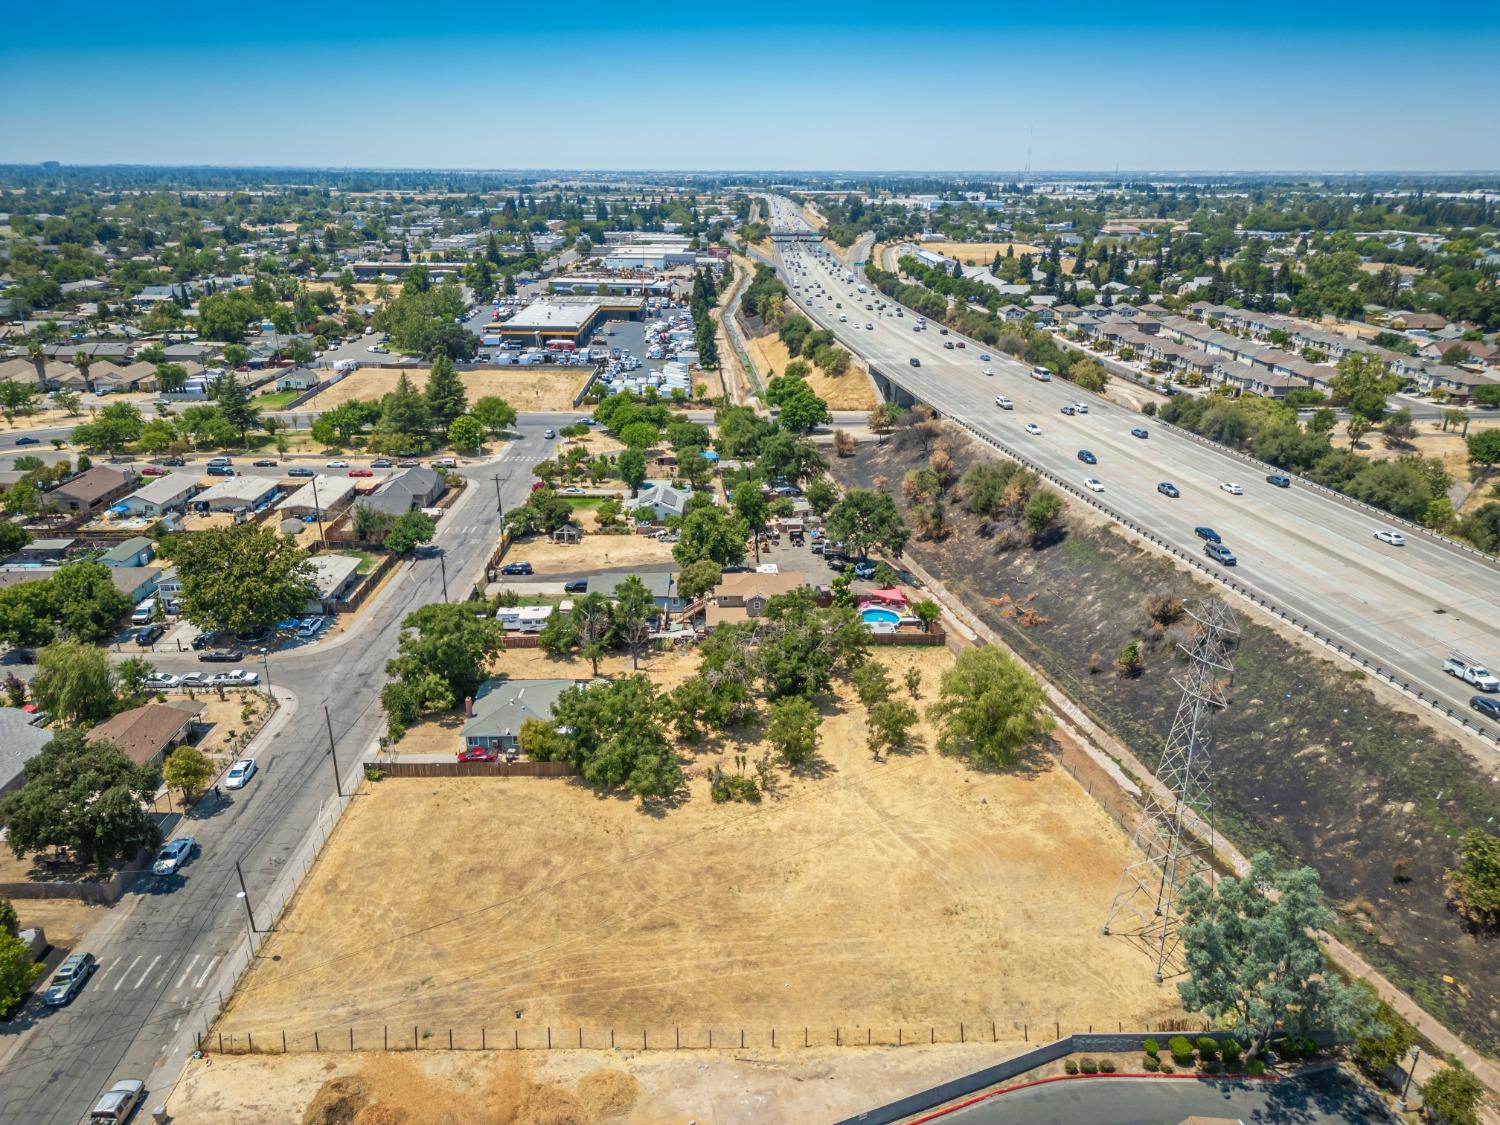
(159, 971)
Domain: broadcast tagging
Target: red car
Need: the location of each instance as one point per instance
(153, 471)
(478, 754)
(538, 485)
(361, 472)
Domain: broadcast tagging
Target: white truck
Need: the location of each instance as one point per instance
(1470, 671)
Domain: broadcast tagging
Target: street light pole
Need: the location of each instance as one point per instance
(338, 786)
(1416, 1055)
(245, 894)
(498, 506)
(443, 568)
(265, 662)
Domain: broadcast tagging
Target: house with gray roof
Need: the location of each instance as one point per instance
(405, 491)
(20, 741)
(500, 708)
(663, 499)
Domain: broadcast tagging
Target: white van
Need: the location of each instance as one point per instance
(1041, 374)
(220, 461)
(143, 612)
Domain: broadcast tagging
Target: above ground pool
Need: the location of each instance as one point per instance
(873, 614)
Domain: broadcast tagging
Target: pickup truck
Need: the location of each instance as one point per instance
(1470, 671)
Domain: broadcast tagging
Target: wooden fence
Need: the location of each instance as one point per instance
(397, 768)
(935, 637)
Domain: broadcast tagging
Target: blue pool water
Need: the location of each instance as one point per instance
(874, 614)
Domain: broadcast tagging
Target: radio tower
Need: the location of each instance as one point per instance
(1175, 837)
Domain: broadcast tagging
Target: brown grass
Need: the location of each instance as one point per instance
(980, 253)
(525, 388)
(850, 391)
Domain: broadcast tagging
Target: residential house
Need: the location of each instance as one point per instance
(146, 733)
(136, 582)
(20, 741)
(323, 496)
(664, 500)
(237, 494)
(92, 491)
(1042, 314)
(334, 577)
(742, 595)
(501, 707)
(161, 495)
(297, 379)
(662, 585)
(135, 551)
(43, 551)
(405, 491)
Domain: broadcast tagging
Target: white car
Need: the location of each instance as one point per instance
(161, 680)
(1231, 488)
(337, 465)
(1002, 402)
(1080, 408)
(1394, 538)
(239, 773)
(1093, 485)
(871, 327)
(237, 678)
(1033, 428)
(989, 370)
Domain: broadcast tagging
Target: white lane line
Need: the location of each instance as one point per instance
(203, 976)
(127, 972)
(146, 972)
(187, 970)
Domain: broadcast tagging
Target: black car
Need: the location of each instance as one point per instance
(203, 640)
(264, 463)
(516, 568)
(1167, 488)
(1280, 480)
(577, 586)
(28, 441)
(149, 634)
(300, 471)
(381, 463)
(1208, 533)
(222, 655)
(915, 362)
(173, 462)
(1486, 705)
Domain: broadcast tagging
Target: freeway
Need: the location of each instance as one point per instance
(160, 948)
(1313, 555)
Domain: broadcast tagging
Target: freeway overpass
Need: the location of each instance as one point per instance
(1303, 550)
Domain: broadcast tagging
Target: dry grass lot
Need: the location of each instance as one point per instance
(903, 893)
(1430, 441)
(525, 388)
(596, 552)
(850, 391)
(980, 253)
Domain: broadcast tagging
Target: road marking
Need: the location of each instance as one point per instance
(212, 961)
(146, 972)
(126, 973)
(187, 970)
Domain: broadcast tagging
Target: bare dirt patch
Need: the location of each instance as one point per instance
(64, 920)
(594, 552)
(980, 253)
(889, 897)
(850, 391)
(1449, 448)
(525, 388)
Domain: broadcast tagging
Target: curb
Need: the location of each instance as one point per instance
(935, 1114)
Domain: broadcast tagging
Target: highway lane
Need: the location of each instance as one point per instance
(1404, 607)
(160, 947)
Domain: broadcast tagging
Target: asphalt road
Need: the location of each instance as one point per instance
(1404, 607)
(159, 947)
(1326, 1098)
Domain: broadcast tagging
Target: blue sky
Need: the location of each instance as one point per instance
(758, 84)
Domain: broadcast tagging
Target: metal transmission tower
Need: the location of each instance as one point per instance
(1175, 837)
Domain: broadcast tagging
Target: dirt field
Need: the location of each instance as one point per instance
(980, 253)
(525, 388)
(65, 920)
(1430, 441)
(850, 391)
(1311, 765)
(627, 1087)
(594, 552)
(892, 895)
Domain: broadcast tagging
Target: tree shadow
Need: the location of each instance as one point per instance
(1314, 1099)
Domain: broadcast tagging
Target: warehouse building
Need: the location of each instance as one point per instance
(567, 318)
(652, 256)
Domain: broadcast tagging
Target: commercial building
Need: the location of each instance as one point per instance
(567, 318)
(650, 256)
(594, 283)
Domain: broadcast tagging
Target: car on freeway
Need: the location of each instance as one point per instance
(989, 370)
(28, 441)
(871, 327)
(1280, 480)
(236, 678)
(1140, 432)
(264, 463)
(221, 655)
(1209, 534)
(1081, 407)
(1394, 538)
(1167, 488)
(361, 472)
(576, 586)
(153, 471)
(1033, 428)
(549, 432)
(1486, 705)
(381, 463)
(1231, 488)
(173, 855)
(516, 568)
(337, 463)
(1003, 403)
(1087, 458)
(1068, 409)
(1219, 553)
(300, 471)
(160, 681)
(948, 344)
(239, 773)
(117, 1103)
(961, 344)
(915, 362)
(1093, 484)
(69, 979)
(984, 357)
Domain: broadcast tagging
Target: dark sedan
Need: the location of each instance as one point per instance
(1087, 458)
(222, 655)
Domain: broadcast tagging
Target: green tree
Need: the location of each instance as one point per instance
(74, 683)
(1363, 384)
(750, 505)
(640, 435)
(1041, 512)
(872, 683)
(112, 429)
(1453, 1095)
(989, 708)
(1253, 960)
(466, 433)
(801, 645)
(233, 400)
(87, 606)
(18, 972)
(890, 723)
(85, 796)
(442, 655)
(711, 533)
(1474, 885)
(12, 537)
(1385, 1043)
(1484, 450)
(698, 578)
(494, 414)
(631, 466)
(793, 730)
(187, 770)
(445, 395)
(927, 612)
(9, 922)
(241, 577)
(615, 734)
(865, 519)
(407, 531)
(405, 421)
(633, 611)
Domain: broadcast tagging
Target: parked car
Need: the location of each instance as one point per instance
(1219, 553)
(117, 1103)
(193, 680)
(160, 681)
(149, 634)
(174, 855)
(381, 463)
(69, 979)
(576, 586)
(265, 463)
(1140, 432)
(361, 472)
(478, 754)
(1394, 538)
(408, 464)
(864, 568)
(221, 656)
(1167, 488)
(517, 568)
(1209, 534)
(172, 462)
(153, 471)
(1280, 480)
(1231, 488)
(1093, 485)
(237, 678)
(1087, 458)
(337, 463)
(239, 773)
(300, 471)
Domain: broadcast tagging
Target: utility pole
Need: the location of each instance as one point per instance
(245, 894)
(318, 511)
(498, 506)
(338, 786)
(443, 568)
